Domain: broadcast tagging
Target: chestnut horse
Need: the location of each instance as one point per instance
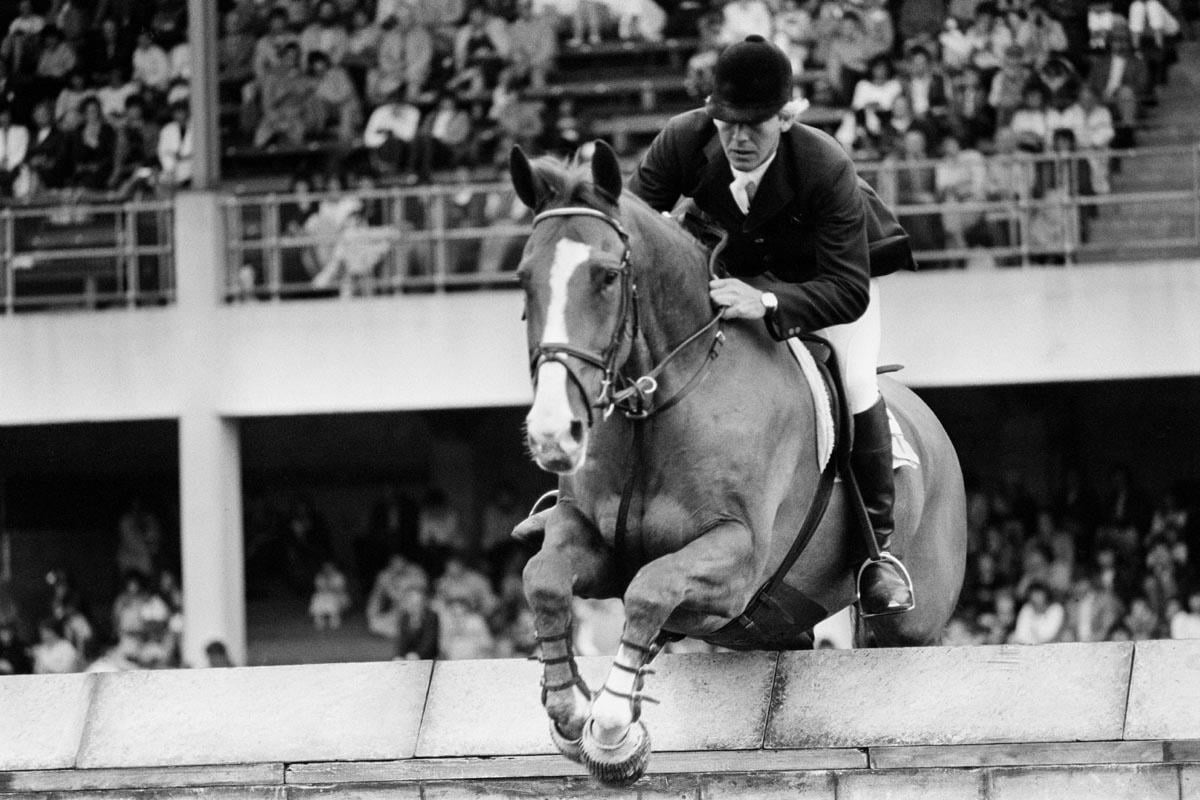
(686, 500)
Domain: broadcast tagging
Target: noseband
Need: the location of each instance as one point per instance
(618, 391)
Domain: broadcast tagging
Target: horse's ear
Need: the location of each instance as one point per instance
(523, 178)
(606, 171)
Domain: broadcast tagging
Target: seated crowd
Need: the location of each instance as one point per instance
(93, 97)
(1081, 568)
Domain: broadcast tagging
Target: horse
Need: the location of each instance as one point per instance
(689, 498)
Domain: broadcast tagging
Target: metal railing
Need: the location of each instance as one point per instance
(448, 237)
(86, 255)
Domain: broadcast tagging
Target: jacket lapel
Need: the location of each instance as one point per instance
(712, 186)
(777, 189)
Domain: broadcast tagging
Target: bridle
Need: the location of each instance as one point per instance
(632, 396)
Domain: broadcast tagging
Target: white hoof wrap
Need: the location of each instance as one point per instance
(620, 764)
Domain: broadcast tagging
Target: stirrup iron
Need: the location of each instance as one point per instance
(884, 557)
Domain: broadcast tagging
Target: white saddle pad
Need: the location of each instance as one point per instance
(903, 454)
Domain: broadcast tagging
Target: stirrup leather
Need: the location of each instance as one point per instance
(890, 559)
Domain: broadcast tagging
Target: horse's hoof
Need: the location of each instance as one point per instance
(622, 763)
(568, 747)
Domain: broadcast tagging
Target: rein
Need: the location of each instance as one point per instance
(632, 396)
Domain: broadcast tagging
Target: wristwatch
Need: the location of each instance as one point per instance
(770, 302)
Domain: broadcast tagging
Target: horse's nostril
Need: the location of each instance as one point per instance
(576, 430)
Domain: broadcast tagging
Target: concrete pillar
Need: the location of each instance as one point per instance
(202, 33)
(210, 495)
(210, 474)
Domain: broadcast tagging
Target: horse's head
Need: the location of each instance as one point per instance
(578, 298)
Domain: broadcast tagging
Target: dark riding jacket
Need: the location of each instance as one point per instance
(815, 233)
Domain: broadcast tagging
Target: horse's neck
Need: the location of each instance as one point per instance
(672, 298)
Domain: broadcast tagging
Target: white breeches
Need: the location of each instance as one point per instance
(856, 345)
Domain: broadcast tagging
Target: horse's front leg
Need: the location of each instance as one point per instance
(573, 560)
(712, 576)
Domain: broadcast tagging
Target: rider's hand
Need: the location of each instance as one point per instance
(740, 300)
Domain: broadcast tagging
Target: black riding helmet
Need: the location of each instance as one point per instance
(752, 81)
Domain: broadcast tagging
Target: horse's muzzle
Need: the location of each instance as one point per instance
(560, 454)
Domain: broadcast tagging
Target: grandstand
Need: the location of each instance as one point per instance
(225, 300)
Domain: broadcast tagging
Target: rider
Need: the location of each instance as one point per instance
(798, 221)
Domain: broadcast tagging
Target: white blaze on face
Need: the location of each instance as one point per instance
(550, 416)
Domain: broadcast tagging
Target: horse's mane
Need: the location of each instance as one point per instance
(569, 183)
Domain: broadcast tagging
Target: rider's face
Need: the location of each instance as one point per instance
(749, 145)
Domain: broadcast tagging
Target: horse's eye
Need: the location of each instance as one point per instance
(610, 276)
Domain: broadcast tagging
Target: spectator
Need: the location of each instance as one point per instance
(1029, 121)
(534, 47)
(56, 60)
(990, 39)
(1141, 621)
(47, 154)
(1039, 35)
(956, 46)
(969, 117)
(462, 583)
(926, 89)
(877, 23)
(362, 46)
(916, 185)
(180, 58)
(444, 138)
(54, 654)
(417, 628)
(1119, 76)
(139, 538)
(151, 66)
(287, 96)
(480, 50)
(14, 654)
(268, 50)
(742, 18)
(1153, 29)
(384, 603)
(1040, 621)
(325, 34)
(795, 33)
(357, 253)
(405, 58)
(1008, 85)
(136, 157)
(115, 94)
(235, 50)
(330, 598)
(961, 177)
(68, 106)
(106, 50)
(875, 95)
(127, 614)
(1184, 624)
(463, 633)
(846, 55)
(335, 101)
(391, 132)
(217, 655)
(441, 531)
(14, 146)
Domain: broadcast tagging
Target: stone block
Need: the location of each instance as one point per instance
(256, 714)
(141, 778)
(1164, 695)
(42, 719)
(1189, 782)
(708, 702)
(957, 695)
(1091, 782)
(378, 791)
(1016, 754)
(546, 789)
(768, 786)
(899, 784)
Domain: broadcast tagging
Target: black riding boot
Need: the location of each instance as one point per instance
(884, 586)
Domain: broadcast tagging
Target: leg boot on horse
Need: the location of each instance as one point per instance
(884, 586)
